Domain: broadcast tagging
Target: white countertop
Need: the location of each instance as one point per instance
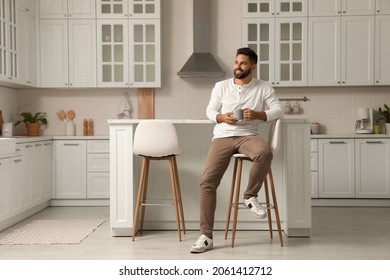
(189, 121)
(24, 139)
(348, 135)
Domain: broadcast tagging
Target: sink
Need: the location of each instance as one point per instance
(7, 146)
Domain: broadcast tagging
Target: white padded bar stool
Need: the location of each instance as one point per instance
(157, 140)
(273, 141)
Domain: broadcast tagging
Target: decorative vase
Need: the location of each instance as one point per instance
(33, 129)
(377, 129)
(387, 125)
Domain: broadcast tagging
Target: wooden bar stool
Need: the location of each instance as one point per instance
(157, 140)
(273, 141)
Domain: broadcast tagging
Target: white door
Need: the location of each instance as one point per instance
(54, 53)
(112, 40)
(336, 168)
(70, 170)
(17, 186)
(372, 168)
(46, 168)
(324, 8)
(53, 9)
(358, 7)
(382, 7)
(357, 45)
(82, 53)
(324, 51)
(112, 9)
(382, 50)
(4, 187)
(81, 9)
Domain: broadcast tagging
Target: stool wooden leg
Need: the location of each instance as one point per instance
(266, 191)
(237, 200)
(230, 203)
(180, 201)
(145, 191)
(275, 206)
(140, 190)
(173, 183)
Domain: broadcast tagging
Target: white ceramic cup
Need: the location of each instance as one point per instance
(287, 108)
(7, 129)
(296, 108)
(238, 114)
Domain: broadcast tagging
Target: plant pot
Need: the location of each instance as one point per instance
(387, 125)
(33, 129)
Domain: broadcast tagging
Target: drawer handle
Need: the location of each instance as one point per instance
(374, 142)
(71, 144)
(337, 142)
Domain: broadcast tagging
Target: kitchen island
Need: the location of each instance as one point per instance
(291, 169)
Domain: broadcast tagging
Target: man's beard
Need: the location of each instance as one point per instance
(242, 74)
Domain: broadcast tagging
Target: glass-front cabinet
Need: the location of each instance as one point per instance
(112, 53)
(129, 43)
(8, 46)
(270, 8)
(281, 45)
(128, 8)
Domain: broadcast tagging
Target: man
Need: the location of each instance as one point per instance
(258, 102)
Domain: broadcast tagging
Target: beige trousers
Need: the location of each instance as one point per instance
(218, 159)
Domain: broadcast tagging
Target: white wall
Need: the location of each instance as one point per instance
(334, 108)
(8, 102)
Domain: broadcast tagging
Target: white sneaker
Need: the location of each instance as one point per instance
(255, 208)
(202, 244)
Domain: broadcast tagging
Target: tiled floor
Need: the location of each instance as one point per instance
(337, 233)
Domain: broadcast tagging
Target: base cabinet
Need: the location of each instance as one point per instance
(351, 168)
(372, 168)
(81, 169)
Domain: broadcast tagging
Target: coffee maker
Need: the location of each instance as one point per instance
(364, 123)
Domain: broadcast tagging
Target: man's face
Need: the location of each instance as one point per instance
(242, 67)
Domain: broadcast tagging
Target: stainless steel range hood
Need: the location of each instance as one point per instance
(201, 63)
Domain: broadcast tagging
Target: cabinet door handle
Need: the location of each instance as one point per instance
(71, 144)
(336, 142)
(374, 142)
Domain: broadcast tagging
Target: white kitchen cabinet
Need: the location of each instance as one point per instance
(112, 37)
(70, 169)
(26, 45)
(51, 9)
(128, 8)
(341, 51)
(27, 6)
(54, 53)
(81, 170)
(68, 53)
(336, 168)
(145, 54)
(382, 7)
(282, 46)
(4, 187)
(8, 45)
(269, 8)
(314, 168)
(372, 168)
(382, 49)
(82, 53)
(17, 186)
(337, 7)
(98, 169)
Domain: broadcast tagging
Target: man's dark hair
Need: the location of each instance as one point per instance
(249, 52)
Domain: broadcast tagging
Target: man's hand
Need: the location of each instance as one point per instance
(250, 115)
(226, 118)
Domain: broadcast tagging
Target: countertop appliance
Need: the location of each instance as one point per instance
(364, 123)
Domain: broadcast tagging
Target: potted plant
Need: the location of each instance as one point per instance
(32, 121)
(385, 114)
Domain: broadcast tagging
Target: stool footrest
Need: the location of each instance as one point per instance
(262, 204)
(158, 202)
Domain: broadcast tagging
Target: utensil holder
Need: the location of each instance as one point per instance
(69, 129)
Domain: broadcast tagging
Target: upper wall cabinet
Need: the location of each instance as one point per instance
(341, 7)
(50, 9)
(270, 8)
(128, 8)
(280, 41)
(382, 7)
(8, 41)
